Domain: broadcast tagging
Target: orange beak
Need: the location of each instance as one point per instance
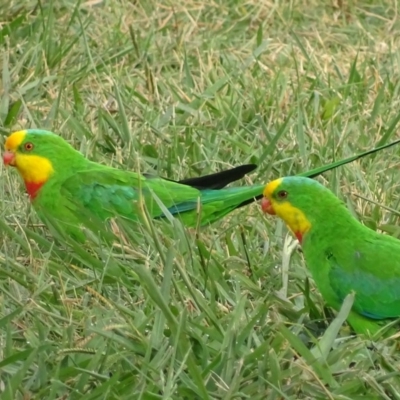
(9, 158)
(267, 206)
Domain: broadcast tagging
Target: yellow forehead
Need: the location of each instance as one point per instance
(270, 188)
(14, 140)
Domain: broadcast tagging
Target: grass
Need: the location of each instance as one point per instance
(186, 88)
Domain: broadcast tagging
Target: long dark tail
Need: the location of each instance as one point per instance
(220, 179)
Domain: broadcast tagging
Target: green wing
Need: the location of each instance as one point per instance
(107, 192)
(373, 272)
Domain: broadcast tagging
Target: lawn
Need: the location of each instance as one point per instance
(186, 88)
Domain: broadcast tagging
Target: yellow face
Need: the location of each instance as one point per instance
(19, 153)
(275, 203)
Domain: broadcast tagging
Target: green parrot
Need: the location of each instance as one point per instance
(342, 255)
(66, 189)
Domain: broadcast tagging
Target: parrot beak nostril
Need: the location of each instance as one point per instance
(267, 207)
(9, 158)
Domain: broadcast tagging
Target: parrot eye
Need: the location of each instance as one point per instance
(282, 194)
(28, 146)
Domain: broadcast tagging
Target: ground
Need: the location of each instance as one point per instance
(185, 88)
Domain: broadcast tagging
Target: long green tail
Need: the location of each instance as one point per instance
(318, 171)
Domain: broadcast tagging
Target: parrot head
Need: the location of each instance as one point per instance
(300, 202)
(37, 155)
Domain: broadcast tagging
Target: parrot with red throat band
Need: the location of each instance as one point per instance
(342, 254)
(67, 188)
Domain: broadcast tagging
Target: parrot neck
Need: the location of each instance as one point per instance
(35, 171)
(299, 236)
(331, 230)
(33, 188)
(294, 218)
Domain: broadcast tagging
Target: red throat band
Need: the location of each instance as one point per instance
(299, 236)
(33, 188)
